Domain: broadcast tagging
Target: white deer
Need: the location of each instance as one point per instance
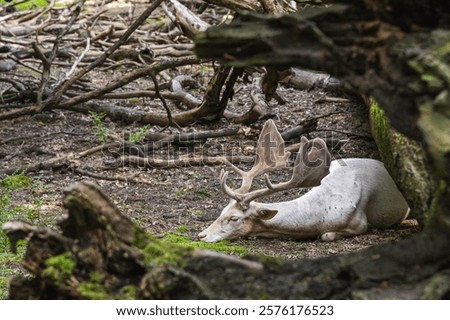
(347, 195)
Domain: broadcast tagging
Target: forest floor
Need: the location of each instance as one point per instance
(182, 200)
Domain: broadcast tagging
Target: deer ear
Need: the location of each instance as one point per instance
(266, 214)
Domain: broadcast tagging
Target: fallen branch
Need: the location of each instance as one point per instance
(306, 80)
(48, 60)
(58, 93)
(149, 162)
(58, 162)
(259, 109)
(132, 179)
(236, 5)
(189, 23)
(194, 137)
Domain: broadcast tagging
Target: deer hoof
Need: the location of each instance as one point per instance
(330, 236)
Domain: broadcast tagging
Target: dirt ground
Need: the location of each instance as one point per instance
(184, 199)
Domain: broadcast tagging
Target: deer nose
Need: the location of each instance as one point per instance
(201, 235)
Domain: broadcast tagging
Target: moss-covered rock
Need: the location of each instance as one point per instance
(406, 161)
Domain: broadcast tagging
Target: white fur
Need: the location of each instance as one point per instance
(355, 192)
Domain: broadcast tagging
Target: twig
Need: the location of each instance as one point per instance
(194, 137)
(129, 77)
(326, 98)
(258, 109)
(74, 66)
(59, 161)
(132, 179)
(189, 23)
(149, 162)
(35, 14)
(47, 61)
(163, 101)
(100, 60)
(361, 135)
(176, 85)
(70, 104)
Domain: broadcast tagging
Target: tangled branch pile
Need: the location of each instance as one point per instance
(134, 48)
(131, 63)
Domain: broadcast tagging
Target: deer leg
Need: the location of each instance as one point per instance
(335, 235)
(357, 225)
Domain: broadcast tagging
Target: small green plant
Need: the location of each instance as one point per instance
(7, 186)
(101, 131)
(15, 181)
(179, 192)
(199, 212)
(204, 193)
(9, 262)
(139, 135)
(182, 229)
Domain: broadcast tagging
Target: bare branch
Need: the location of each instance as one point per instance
(66, 85)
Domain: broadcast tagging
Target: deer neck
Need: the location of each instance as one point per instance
(296, 218)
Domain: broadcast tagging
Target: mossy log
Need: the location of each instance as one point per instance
(407, 163)
(99, 254)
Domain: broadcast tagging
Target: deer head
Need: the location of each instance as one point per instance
(241, 214)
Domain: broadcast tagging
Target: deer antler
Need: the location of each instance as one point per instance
(309, 169)
(270, 155)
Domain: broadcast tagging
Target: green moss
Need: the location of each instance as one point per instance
(203, 193)
(93, 291)
(406, 162)
(159, 252)
(140, 238)
(186, 242)
(437, 287)
(128, 292)
(271, 261)
(60, 267)
(436, 202)
(174, 248)
(139, 135)
(96, 277)
(381, 132)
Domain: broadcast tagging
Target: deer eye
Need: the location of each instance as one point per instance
(234, 218)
